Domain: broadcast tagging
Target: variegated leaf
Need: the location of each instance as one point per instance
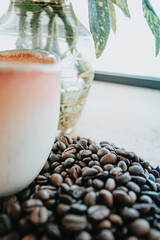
(153, 22)
(112, 16)
(123, 5)
(99, 21)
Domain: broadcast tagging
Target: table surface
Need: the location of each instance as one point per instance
(125, 115)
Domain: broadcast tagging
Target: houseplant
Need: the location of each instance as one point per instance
(52, 25)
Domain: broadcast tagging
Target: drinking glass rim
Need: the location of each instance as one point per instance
(30, 66)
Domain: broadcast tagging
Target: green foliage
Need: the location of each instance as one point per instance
(112, 16)
(99, 21)
(153, 22)
(123, 5)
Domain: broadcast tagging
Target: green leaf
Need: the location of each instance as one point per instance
(153, 22)
(99, 21)
(112, 16)
(123, 5)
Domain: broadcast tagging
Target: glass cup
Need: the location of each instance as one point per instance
(29, 112)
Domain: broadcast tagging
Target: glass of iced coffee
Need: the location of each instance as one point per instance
(29, 111)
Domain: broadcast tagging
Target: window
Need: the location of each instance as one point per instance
(132, 50)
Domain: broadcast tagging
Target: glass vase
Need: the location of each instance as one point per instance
(51, 25)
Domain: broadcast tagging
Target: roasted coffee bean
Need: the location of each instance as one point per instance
(123, 178)
(143, 208)
(86, 191)
(14, 210)
(75, 172)
(54, 231)
(89, 172)
(110, 184)
(53, 158)
(115, 171)
(153, 234)
(78, 208)
(30, 204)
(133, 186)
(152, 185)
(42, 195)
(136, 170)
(5, 224)
(128, 213)
(145, 199)
(62, 209)
(56, 179)
(122, 198)
(98, 184)
(109, 158)
(74, 223)
(105, 235)
(106, 197)
(139, 180)
(39, 216)
(140, 227)
(104, 224)
(90, 198)
(83, 236)
(122, 165)
(98, 212)
(108, 167)
(115, 219)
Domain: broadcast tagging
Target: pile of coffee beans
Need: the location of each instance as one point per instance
(86, 191)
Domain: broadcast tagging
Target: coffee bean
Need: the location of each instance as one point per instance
(136, 170)
(122, 165)
(115, 219)
(152, 185)
(110, 184)
(98, 212)
(128, 213)
(56, 179)
(85, 153)
(108, 159)
(74, 223)
(123, 178)
(42, 195)
(133, 186)
(90, 198)
(39, 216)
(139, 180)
(108, 167)
(14, 210)
(30, 204)
(89, 172)
(105, 235)
(153, 234)
(145, 199)
(83, 236)
(98, 184)
(115, 171)
(122, 198)
(104, 224)
(102, 151)
(75, 172)
(139, 227)
(53, 158)
(106, 197)
(143, 208)
(86, 191)
(78, 208)
(5, 224)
